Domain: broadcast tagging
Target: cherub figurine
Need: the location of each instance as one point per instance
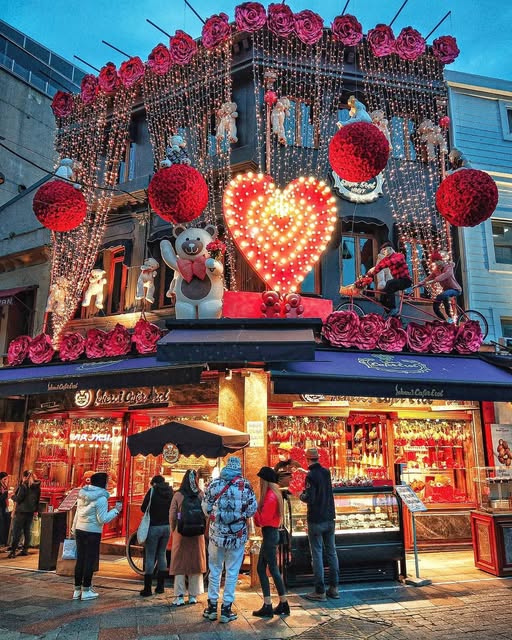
(458, 160)
(381, 122)
(146, 280)
(431, 136)
(357, 113)
(97, 281)
(175, 153)
(66, 170)
(57, 298)
(280, 111)
(226, 123)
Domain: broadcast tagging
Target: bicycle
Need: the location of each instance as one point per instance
(359, 287)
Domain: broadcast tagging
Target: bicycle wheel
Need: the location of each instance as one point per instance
(135, 554)
(350, 306)
(475, 316)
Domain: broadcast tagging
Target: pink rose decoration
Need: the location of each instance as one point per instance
(381, 40)
(445, 49)
(341, 328)
(393, 338)
(159, 60)
(281, 20)
(89, 88)
(469, 337)
(443, 336)
(145, 336)
(41, 349)
(18, 350)
(370, 328)
(347, 30)
(95, 343)
(182, 47)
(410, 44)
(108, 79)
(215, 30)
(131, 71)
(309, 26)
(444, 122)
(250, 17)
(62, 104)
(118, 342)
(419, 337)
(72, 345)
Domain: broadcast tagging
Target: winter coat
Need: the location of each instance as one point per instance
(268, 513)
(445, 277)
(27, 497)
(284, 471)
(160, 504)
(188, 554)
(318, 494)
(92, 510)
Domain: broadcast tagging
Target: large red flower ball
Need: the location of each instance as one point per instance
(358, 152)
(59, 206)
(178, 193)
(467, 197)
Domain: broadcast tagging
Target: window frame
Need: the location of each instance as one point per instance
(505, 107)
(499, 265)
(357, 236)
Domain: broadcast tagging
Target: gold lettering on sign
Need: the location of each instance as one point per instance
(141, 395)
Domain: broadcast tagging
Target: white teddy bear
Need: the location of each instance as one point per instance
(97, 281)
(226, 125)
(146, 280)
(57, 298)
(198, 282)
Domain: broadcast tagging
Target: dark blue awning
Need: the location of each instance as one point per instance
(394, 376)
(144, 371)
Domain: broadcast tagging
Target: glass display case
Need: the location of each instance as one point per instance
(493, 489)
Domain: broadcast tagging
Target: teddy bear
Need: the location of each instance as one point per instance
(198, 282)
(292, 305)
(57, 298)
(432, 136)
(226, 125)
(175, 153)
(146, 280)
(97, 281)
(279, 112)
(271, 305)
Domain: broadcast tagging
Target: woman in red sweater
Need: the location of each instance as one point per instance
(269, 517)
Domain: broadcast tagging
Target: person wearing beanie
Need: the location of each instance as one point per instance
(269, 517)
(5, 516)
(228, 502)
(27, 506)
(91, 514)
(442, 273)
(158, 498)
(286, 465)
(400, 276)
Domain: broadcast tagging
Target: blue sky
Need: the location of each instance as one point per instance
(483, 28)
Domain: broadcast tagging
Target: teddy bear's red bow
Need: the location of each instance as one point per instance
(191, 268)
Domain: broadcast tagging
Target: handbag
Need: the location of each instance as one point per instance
(69, 549)
(35, 532)
(142, 531)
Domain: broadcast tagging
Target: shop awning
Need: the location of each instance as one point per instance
(75, 376)
(437, 377)
(192, 437)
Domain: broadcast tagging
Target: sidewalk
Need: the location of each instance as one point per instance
(461, 603)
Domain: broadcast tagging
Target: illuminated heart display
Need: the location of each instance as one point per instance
(281, 233)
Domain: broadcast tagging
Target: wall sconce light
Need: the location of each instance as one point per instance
(229, 374)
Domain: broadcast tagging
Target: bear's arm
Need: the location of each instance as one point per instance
(167, 253)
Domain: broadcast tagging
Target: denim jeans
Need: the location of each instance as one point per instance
(444, 299)
(218, 557)
(268, 558)
(321, 535)
(154, 548)
(87, 555)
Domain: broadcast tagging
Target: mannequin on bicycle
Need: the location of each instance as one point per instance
(400, 276)
(442, 273)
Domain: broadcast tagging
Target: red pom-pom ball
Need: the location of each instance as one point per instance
(178, 193)
(358, 151)
(59, 206)
(467, 197)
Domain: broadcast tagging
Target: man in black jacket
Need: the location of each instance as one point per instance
(27, 504)
(321, 518)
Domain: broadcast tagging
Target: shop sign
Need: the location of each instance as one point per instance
(257, 433)
(419, 392)
(112, 397)
(501, 438)
(360, 192)
(394, 364)
(409, 498)
(84, 436)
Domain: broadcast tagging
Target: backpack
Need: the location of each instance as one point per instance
(191, 519)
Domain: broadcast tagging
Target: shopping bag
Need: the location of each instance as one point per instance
(69, 549)
(35, 532)
(142, 531)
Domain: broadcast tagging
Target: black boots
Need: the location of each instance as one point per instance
(148, 579)
(282, 609)
(160, 581)
(211, 611)
(264, 612)
(226, 615)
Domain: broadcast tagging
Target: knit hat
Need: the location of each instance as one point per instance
(3, 474)
(157, 480)
(386, 244)
(234, 464)
(99, 480)
(285, 446)
(268, 474)
(435, 256)
(312, 453)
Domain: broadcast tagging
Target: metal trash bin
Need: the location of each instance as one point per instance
(53, 532)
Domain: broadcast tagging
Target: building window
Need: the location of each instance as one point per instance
(506, 328)
(417, 263)
(402, 130)
(358, 253)
(502, 239)
(300, 128)
(126, 170)
(506, 118)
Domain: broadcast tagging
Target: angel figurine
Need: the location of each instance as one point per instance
(381, 122)
(66, 170)
(57, 298)
(357, 113)
(431, 136)
(280, 111)
(458, 160)
(226, 125)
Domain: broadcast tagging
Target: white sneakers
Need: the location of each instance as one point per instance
(192, 600)
(89, 595)
(179, 601)
(77, 593)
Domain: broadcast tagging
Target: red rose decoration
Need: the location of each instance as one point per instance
(41, 349)
(297, 482)
(178, 193)
(131, 71)
(250, 17)
(62, 104)
(467, 197)
(347, 30)
(59, 206)
(445, 49)
(393, 338)
(89, 88)
(215, 30)
(281, 20)
(95, 343)
(358, 151)
(370, 328)
(182, 47)
(410, 44)
(270, 97)
(444, 122)
(159, 60)
(443, 336)
(469, 337)
(108, 79)
(381, 40)
(72, 345)
(419, 337)
(18, 350)
(341, 328)
(145, 336)
(118, 342)
(309, 26)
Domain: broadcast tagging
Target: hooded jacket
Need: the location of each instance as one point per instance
(27, 497)
(445, 277)
(92, 510)
(160, 504)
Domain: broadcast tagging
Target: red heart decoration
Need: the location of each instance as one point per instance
(281, 233)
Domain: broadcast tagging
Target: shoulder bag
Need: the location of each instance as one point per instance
(211, 517)
(142, 531)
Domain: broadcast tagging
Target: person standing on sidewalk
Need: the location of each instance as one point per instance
(91, 514)
(228, 502)
(5, 515)
(160, 494)
(321, 517)
(27, 505)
